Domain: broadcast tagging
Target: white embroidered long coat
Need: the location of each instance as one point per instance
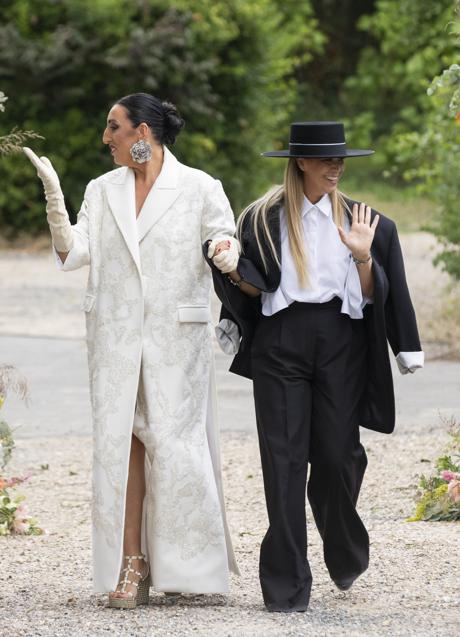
(151, 371)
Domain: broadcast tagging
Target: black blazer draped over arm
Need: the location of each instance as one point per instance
(390, 318)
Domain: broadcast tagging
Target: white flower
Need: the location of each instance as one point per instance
(3, 98)
(4, 530)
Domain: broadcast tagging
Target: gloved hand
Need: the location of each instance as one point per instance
(223, 244)
(227, 260)
(56, 213)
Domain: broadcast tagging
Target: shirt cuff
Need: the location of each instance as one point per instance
(408, 362)
(352, 303)
(228, 336)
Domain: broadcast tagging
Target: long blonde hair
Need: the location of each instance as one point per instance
(290, 194)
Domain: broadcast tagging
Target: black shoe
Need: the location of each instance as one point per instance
(277, 609)
(344, 584)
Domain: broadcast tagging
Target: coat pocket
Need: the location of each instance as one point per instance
(193, 314)
(88, 302)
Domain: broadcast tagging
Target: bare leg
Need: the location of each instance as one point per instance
(133, 519)
(134, 498)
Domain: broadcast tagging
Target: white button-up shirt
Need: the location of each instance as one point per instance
(330, 266)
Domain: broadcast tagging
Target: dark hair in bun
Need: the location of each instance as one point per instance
(162, 118)
(173, 122)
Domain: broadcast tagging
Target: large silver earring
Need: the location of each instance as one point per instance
(141, 151)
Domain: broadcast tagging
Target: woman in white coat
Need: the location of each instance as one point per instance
(158, 508)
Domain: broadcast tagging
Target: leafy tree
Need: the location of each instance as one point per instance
(387, 95)
(434, 159)
(227, 64)
(321, 78)
(13, 142)
(429, 155)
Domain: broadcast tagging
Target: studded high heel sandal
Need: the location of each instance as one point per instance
(141, 596)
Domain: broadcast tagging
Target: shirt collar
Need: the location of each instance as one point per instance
(323, 205)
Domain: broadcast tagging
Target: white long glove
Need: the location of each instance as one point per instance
(56, 213)
(227, 260)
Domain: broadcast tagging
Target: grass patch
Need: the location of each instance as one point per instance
(409, 210)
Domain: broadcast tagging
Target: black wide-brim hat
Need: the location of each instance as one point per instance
(318, 140)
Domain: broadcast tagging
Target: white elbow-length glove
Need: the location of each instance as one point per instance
(227, 260)
(56, 213)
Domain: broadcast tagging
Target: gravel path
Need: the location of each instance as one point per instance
(411, 587)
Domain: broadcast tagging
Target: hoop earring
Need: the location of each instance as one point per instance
(141, 151)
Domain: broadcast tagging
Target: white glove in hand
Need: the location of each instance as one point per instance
(56, 214)
(227, 260)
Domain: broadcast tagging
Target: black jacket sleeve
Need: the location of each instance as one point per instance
(400, 318)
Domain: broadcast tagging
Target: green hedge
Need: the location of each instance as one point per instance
(227, 64)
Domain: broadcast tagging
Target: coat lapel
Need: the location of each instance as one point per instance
(121, 197)
(163, 194)
(122, 201)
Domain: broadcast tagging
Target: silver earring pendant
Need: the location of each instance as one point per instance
(141, 151)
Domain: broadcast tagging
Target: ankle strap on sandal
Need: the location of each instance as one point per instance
(129, 569)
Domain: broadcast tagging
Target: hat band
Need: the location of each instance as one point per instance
(318, 150)
(331, 144)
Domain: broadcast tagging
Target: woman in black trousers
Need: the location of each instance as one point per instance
(318, 289)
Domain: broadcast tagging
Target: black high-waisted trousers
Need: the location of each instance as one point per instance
(309, 372)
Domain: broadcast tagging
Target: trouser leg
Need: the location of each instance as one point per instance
(332, 492)
(338, 460)
(309, 373)
(283, 407)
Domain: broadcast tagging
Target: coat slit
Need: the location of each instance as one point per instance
(125, 487)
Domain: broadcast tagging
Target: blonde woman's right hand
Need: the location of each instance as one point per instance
(56, 213)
